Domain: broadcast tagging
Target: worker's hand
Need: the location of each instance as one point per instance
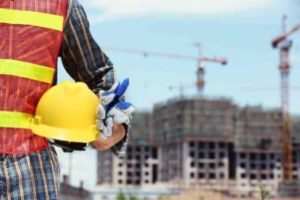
(113, 110)
(103, 144)
(119, 114)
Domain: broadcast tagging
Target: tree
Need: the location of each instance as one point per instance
(121, 196)
(133, 198)
(264, 193)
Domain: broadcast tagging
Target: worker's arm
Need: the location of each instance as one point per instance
(114, 110)
(82, 57)
(104, 144)
(84, 61)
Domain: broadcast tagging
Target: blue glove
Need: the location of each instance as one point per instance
(113, 96)
(113, 109)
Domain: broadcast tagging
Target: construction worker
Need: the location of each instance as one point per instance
(33, 33)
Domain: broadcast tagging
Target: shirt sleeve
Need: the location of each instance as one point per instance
(82, 57)
(84, 60)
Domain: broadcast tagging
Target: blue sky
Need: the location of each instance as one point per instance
(239, 30)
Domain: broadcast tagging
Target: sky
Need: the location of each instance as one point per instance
(241, 31)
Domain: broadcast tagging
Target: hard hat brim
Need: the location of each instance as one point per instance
(83, 136)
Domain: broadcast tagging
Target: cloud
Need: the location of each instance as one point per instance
(118, 9)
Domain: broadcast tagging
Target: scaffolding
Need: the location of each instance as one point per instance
(140, 130)
(194, 118)
(248, 127)
(258, 130)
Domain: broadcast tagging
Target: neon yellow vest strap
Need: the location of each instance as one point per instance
(44, 20)
(26, 70)
(15, 120)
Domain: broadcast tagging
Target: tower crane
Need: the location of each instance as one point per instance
(199, 59)
(284, 44)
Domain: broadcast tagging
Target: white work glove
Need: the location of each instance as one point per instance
(113, 109)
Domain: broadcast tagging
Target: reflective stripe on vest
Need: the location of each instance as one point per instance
(15, 120)
(26, 70)
(44, 20)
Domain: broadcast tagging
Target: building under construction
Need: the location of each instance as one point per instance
(140, 167)
(212, 143)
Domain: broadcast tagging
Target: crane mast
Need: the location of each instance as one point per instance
(286, 126)
(284, 44)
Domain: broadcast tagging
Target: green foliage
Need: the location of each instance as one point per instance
(264, 193)
(121, 196)
(133, 198)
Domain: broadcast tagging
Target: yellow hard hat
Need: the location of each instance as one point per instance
(67, 112)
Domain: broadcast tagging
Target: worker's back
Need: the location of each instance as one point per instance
(31, 34)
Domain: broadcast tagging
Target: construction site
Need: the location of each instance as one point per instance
(212, 148)
(80, 119)
(210, 144)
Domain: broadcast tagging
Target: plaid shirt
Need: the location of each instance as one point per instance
(32, 176)
(84, 60)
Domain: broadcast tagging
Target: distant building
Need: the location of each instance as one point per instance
(195, 138)
(202, 142)
(257, 150)
(139, 168)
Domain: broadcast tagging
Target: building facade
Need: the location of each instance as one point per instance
(139, 168)
(202, 142)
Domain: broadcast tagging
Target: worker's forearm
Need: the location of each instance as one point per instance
(118, 134)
